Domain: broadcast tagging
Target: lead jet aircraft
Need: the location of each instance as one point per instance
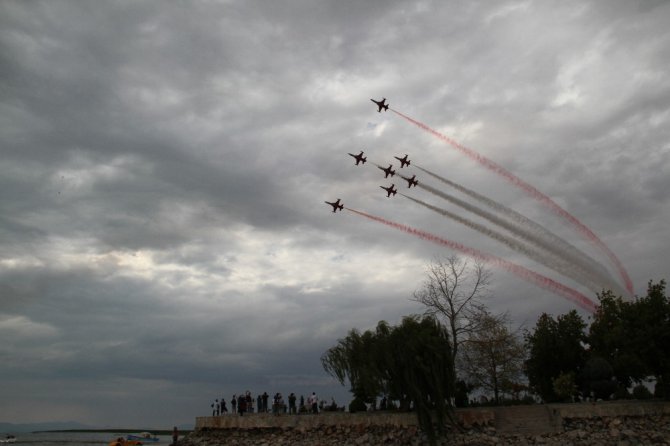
(412, 181)
(389, 190)
(359, 158)
(388, 171)
(381, 105)
(403, 161)
(336, 205)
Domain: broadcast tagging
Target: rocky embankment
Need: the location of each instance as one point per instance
(593, 431)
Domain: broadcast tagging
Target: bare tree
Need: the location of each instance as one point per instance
(453, 292)
(493, 357)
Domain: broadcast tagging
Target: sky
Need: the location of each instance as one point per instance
(164, 240)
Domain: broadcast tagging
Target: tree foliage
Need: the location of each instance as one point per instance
(353, 359)
(610, 338)
(597, 378)
(628, 340)
(410, 362)
(565, 387)
(555, 347)
(493, 356)
(634, 337)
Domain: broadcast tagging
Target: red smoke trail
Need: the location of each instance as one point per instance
(531, 276)
(533, 192)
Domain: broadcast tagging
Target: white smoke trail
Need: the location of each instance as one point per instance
(549, 260)
(542, 236)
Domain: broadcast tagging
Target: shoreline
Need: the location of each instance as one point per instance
(603, 423)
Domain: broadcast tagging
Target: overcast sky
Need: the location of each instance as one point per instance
(164, 239)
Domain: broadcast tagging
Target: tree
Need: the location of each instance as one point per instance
(421, 359)
(653, 333)
(410, 362)
(353, 359)
(554, 347)
(565, 387)
(611, 339)
(453, 292)
(598, 378)
(634, 337)
(493, 356)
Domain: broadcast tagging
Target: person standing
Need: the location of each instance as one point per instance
(275, 404)
(265, 401)
(175, 435)
(314, 402)
(291, 403)
(224, 408)
(233, 403)
(249, 402)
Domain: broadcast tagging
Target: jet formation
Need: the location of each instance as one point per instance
(388, 171)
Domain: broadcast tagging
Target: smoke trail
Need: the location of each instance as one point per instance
(547, 239)
(524, 273)
(553, 262)
(533, 192)
(516, 230)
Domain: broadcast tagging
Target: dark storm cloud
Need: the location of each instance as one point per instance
(163, 230)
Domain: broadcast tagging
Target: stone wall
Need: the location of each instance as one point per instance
(601, 424)
(466, 418)
(611, 409)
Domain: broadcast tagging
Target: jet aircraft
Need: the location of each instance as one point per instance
(389, 190)
(403, 161)
(388, 171)
(359, 158)
(381, 104)
(412, 181)
(336, 205)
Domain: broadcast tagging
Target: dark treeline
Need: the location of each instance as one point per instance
(625, 344)
(434, 362)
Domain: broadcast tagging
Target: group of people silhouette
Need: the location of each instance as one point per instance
(246, 403)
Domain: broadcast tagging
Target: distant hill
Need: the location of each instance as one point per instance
(50, 426)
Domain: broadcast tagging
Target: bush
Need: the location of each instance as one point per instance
(528, 400)
(462, 391)
(598, 378)
(565, 387)
(640, 392)
(357, 405)
(662, 390)
(622, 394)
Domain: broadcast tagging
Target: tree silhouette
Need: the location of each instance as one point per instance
(411, 363)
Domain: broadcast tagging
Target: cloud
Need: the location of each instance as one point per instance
(163, 236)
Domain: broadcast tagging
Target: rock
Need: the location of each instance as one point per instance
(595, 431)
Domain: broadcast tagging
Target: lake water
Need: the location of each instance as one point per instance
(76, 438)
